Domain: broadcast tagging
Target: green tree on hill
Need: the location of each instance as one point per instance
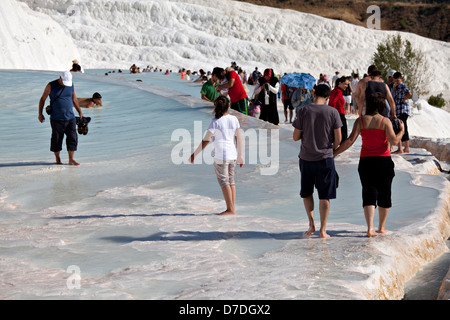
(398, 54)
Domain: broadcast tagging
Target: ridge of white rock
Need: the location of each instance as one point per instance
(33, 40)
(196, 34)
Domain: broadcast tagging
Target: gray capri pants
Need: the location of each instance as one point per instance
(225, 172)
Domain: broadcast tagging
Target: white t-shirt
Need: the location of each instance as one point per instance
(223, 131)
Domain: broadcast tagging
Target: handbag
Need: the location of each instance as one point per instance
(48, 109)
(254, 106)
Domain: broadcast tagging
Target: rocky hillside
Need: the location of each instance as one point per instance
(428, 18)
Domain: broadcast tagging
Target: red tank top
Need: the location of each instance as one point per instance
(374, 142)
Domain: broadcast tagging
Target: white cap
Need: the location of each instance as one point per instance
(391, 73)
(66, 78)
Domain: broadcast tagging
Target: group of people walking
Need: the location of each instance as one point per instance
(320, 125)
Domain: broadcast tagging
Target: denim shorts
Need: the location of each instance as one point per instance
(320, 174)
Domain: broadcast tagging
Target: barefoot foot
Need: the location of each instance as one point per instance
(324, 235)
(310, 231)
(225, 213)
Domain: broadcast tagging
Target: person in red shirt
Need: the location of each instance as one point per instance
(337, 101)
(286, 93)
(375, 168)
(238, 95)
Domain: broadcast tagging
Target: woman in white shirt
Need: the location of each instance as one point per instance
(224, 130)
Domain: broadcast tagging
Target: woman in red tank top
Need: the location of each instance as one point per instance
(376, 168)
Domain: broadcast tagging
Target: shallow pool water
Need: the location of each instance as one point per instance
(139, 221)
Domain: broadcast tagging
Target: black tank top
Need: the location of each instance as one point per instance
(375, 86)
(346, 91)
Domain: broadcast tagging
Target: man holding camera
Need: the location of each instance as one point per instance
(62, 118)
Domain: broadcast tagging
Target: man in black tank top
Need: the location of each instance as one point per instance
(376, 84)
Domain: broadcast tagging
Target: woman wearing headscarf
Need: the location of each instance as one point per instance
(267, 88)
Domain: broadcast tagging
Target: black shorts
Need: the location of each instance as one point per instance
(322, 175)
(344, 130)
(376, 175)
(404, 117)
(241, 106)
(287, 103)
(61, 128)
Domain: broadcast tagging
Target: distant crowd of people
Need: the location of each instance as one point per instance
(136, 69)
(347, 94)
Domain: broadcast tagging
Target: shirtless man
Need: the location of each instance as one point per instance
(90, 102)
(375, 83)
(360, 90)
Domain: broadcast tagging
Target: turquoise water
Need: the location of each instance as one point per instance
(141, 226)
(130, 143)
